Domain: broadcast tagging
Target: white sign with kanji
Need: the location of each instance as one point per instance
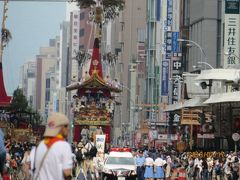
(231, 40)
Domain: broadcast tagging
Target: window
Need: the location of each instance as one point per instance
(75, 16)
(122, 160)
(82, 16)
(47, 98)
(48, 83)
(81, 32)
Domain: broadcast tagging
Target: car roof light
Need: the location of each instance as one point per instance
(120, 150)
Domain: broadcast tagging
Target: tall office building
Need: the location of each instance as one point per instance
(28, 82)
(48, 58)
(131, 20)
(203, 19)
(64, 49)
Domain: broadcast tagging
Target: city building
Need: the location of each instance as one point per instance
(48, 58)
(201, 22)
(132, 20)
(28, 82)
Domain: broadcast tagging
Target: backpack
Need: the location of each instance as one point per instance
(92, 152)
(79, 156)
(218, 170)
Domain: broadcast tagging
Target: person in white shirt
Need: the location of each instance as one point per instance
(149, 169)
(88, 161)
(53, 157)
(84, 134)
(158, 169)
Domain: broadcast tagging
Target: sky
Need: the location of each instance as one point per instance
(31, 24)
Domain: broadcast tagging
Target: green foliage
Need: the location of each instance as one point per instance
(19, 101)
(6, 36)
(106, 3)
(85, 3)
(111, 8)
(114, 3)
(19, 106)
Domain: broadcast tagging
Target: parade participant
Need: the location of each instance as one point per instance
(88, 161)
(158, 168)
(182, 172)
(204, 170)
(2, 152)
(168, 168)
(149, 169)
(210, 167)
(235, 167)
(79, 157)
(53, 157)
(218, 169)
(140, 160)
(26, 162)
(84, 134)
(98, 131)
(190, 169)
(98, 163)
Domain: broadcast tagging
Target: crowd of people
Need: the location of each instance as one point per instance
(54, 158)
(15, 159)
(157, 164)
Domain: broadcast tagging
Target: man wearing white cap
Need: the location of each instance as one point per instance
(53, 157)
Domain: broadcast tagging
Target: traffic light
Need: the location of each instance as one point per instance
(72, 124)
(201, 118)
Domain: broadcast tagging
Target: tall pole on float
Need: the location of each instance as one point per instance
(4, 17)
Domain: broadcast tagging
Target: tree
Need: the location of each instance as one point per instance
(6, 36)
(23, 112)
(111, 8)
(19, 102)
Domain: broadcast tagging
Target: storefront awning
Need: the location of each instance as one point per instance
(219, 74)
(194, 102)
(224, 97)
(174, 107)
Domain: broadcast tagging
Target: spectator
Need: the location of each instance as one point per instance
(2, 152)
(149, 169)
(53, 154)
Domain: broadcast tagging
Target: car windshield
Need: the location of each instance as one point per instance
(122, 160)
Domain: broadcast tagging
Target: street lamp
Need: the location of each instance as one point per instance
(196, 44)
(200, 62)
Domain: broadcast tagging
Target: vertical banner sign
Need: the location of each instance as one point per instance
(100, 143)
(176, 15)
(175, 92)
(231, 36)
(169, 12)
(165, 77)
(175, 43)
(75, 20)
(158, 12)
(168, 44)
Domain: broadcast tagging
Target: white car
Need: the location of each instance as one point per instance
(119, 165)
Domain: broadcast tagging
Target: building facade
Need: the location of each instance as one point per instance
(28, 83)
(48, 58)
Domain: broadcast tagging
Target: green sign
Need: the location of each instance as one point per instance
(232, 6)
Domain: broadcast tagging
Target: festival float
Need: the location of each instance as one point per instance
(94, 102)
(20, 131)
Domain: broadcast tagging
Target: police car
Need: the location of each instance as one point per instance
(119, 165)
